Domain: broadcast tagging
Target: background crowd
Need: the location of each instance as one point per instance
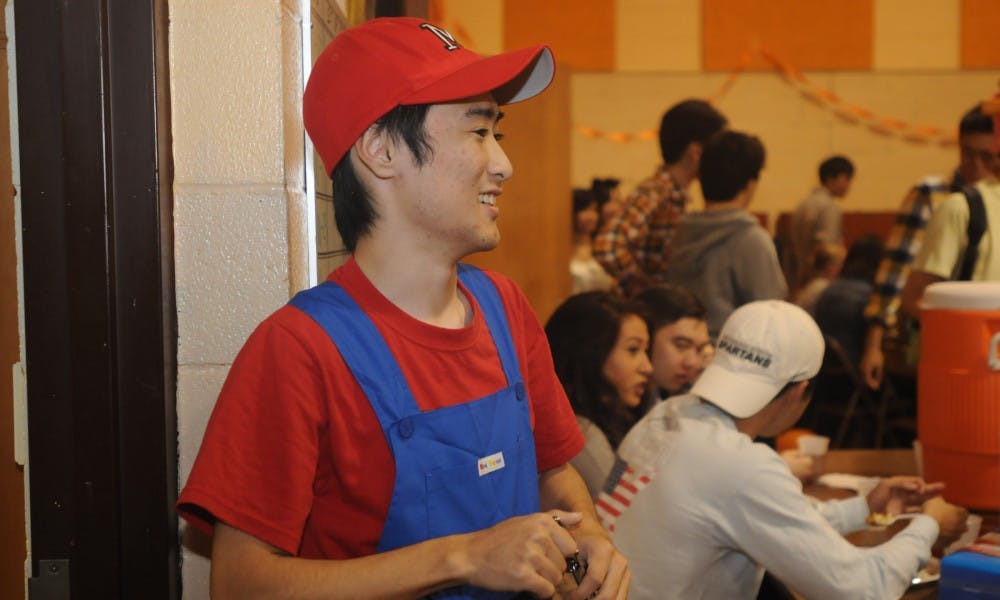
(722, 255)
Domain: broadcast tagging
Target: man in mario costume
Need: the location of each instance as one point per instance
(398, 430)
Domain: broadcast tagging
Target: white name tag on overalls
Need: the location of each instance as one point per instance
(493, 462)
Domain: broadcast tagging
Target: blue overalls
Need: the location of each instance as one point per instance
(460, 468)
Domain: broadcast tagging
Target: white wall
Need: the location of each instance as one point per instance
(241, 211)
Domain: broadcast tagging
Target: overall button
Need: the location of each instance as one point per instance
(406, 428)
(519, 391)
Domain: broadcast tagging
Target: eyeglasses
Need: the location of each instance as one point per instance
(685, 345)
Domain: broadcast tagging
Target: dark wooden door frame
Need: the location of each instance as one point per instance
(98, 288)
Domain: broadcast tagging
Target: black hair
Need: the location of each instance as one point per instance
(685, 122)
(835, 166)
(730, 160)
(974, 121)
(352, 206)
(582, 198)
(601, 189)
(665, 304)
(863, 258)
(582, 332)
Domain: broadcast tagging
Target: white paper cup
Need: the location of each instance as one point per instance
(813, 445)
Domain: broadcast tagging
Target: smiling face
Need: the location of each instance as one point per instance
(451, 200)
(679, 353)
(627, 366)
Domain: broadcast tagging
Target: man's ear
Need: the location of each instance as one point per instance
(793, 395)
(376, 152)
(748, 192)
(799, 391)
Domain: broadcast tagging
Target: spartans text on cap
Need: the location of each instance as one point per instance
(753, 355)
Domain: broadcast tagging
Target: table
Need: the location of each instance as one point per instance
(871, 463)
(881, 463)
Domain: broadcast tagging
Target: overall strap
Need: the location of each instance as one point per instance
(485, 292)
(363, 349)
(975, 231)
(369, 358)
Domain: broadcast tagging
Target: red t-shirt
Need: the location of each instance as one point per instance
(294, 454)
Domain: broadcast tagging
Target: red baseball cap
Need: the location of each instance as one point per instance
(368, 70)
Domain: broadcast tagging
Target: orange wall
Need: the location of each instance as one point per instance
(580, 32)
(980, 34)
(586, 34)
(818, 35)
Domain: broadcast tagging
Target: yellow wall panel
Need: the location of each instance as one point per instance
(797, 133)
(658, 35)
(916, 35)
(580, 32)
(980, 34)
(809, 34)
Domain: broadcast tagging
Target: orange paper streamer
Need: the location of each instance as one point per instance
(862, 116)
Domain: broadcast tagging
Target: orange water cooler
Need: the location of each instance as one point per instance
(958, 391)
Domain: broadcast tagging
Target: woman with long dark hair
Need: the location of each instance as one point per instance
(599, 347)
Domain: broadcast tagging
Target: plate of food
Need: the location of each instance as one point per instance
(930, 573)
(884, 520)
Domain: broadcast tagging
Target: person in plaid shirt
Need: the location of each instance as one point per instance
(976, 161)
(634, 246)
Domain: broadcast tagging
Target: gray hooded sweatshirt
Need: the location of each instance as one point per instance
(726, 259)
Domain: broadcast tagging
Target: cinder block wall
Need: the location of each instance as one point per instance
(239, 196)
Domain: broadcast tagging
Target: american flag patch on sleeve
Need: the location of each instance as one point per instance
(620, 488)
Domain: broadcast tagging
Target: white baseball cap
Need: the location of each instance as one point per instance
(763, 346)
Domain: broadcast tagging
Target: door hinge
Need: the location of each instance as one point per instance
(20, 414)
(52, 582)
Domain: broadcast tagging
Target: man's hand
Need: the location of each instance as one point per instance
(872, 363)
(951, 520)
(902, 494)
(607, 575)
(520, 554)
